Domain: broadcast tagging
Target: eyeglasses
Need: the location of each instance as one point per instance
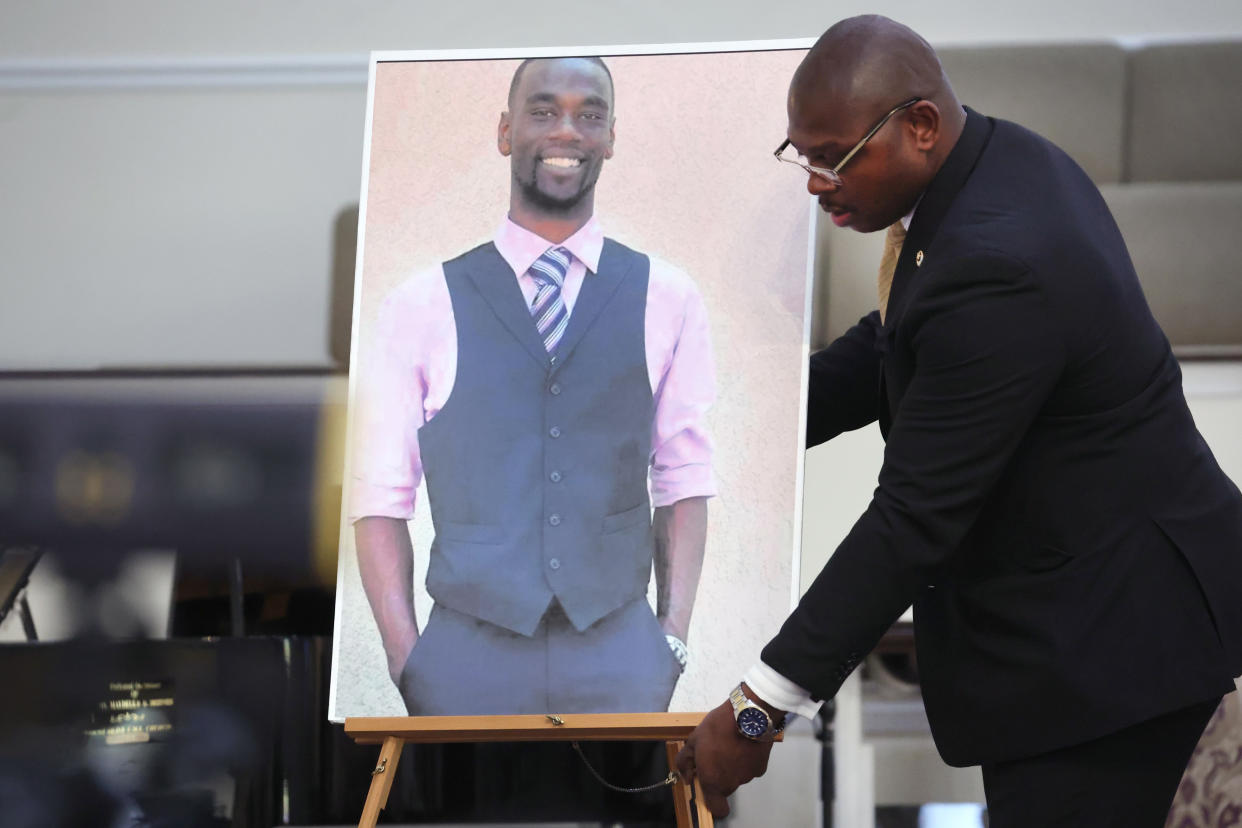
(833, 176)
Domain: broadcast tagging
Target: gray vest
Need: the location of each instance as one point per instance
(536, 468)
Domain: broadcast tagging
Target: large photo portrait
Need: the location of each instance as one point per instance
(573, 479)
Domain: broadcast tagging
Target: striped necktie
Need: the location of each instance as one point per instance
(548, 306)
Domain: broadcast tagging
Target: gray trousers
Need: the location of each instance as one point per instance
(465, 666)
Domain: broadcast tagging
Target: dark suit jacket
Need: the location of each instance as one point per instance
(1071, 547)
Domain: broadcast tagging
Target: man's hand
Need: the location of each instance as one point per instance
(722, 758)
(397, 660)
(386, 565)
(680, 532)
(671, 627)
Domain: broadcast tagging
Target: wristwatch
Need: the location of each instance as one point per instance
(753, 721)
(680, 651)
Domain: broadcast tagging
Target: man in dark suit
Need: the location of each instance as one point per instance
(1072, 549)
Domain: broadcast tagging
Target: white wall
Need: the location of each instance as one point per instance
(172, 171)
(82, 28)
(173, 226)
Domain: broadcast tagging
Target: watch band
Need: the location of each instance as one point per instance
(680, 651)
(753, 721)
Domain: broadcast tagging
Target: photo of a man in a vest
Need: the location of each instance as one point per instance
(550, 389)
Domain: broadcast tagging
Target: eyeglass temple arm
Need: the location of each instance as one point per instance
(873, 131)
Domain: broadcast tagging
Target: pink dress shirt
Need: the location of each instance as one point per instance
(407, 375)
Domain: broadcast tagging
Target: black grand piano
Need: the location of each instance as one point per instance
(224, 722)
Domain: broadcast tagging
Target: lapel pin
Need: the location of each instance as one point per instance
(918, 259)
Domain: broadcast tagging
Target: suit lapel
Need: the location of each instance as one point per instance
(935, 203)
(497, 284)
(597, 291)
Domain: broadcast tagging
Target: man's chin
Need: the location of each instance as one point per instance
(553, 203)
(862, 225)
(849, 220)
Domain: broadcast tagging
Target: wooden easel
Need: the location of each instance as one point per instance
(393, 732)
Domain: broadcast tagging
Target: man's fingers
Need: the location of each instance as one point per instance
(763, 763)
(685, 763)
(716, 802)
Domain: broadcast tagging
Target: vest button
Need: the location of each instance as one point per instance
(555, 477)
(555, 520)
(555, 389)
(554, 431)
(554, 564)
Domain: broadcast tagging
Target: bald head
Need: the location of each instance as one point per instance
(869, 63)
(872, 78)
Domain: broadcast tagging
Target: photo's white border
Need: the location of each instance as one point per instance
(516, 53)
(596, 51)
(795, 590)
(353, 371)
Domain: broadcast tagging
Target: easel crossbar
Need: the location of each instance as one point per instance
(613, 727)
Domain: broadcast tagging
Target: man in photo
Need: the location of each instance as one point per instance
(551, 387)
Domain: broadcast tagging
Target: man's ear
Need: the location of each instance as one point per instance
(612, 137)
(502, 135)
(924, 120)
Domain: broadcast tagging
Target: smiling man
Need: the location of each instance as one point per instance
(1071, 548)
(551, 387)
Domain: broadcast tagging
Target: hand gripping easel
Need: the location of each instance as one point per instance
(393, 732)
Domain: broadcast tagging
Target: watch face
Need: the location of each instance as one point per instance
(752, 722)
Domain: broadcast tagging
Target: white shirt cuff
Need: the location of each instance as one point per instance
(780, 692)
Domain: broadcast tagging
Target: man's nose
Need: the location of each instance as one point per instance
(565, 128)
(816, 184)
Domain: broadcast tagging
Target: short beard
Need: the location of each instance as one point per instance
(537, 198)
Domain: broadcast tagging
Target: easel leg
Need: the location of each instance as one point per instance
(685, 808)
(681, 791)
(381, 781)
(701, 813)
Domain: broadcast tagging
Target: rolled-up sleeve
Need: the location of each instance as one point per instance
(388, 400)
(683, 376)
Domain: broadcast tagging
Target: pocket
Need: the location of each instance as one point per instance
(1210, 543)
(662, 642)
(1044, 557)
(407, 669)
(405, 680)
(624, 520)
(412, 681)
(623, 553)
